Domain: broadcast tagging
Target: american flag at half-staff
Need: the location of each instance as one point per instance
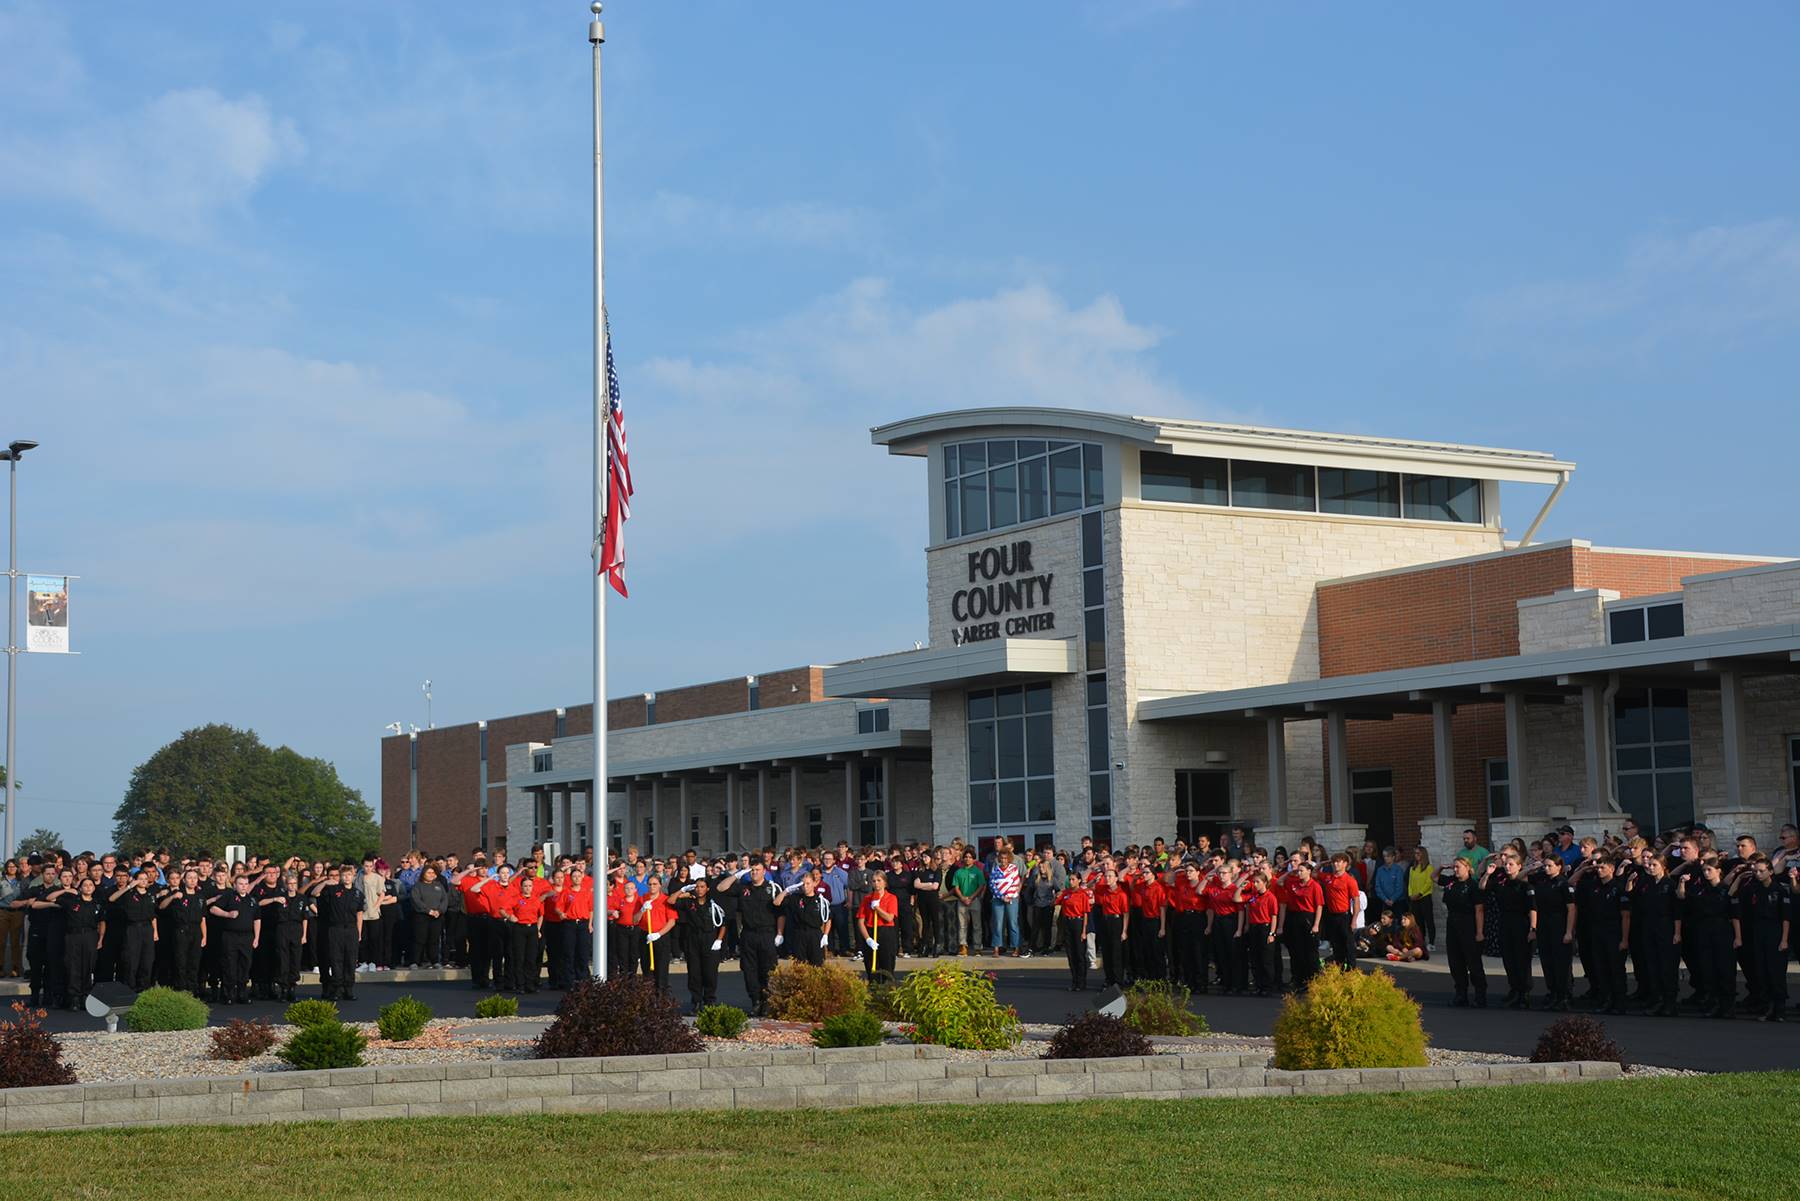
(618, 479)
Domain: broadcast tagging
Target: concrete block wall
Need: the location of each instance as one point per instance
(799, 1078)
(1565, 620)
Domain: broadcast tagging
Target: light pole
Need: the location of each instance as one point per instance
(12, 454)
(426, 689)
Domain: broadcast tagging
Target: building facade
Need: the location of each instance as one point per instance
(1140, 627)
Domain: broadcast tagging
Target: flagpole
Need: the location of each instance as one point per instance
(599, 833)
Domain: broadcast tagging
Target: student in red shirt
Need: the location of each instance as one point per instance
(559, 930)
(1341, 892)
(1187, 927)
(657, 917)
(1111, 903)
(1073, 904)
(478, 914)
(1222, 929)
(622, 931)
(1302, 907)
(521, 914)
(1149, 923)
(1256, 920)
(580, 910)
(877, 921)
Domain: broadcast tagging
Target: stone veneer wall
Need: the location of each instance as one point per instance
(772, 1079)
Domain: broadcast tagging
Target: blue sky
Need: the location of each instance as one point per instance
(296, 301)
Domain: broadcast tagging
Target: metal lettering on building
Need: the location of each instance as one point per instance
(1006, 598)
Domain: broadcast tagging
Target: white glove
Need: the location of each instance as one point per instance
(872, 944)
(821, 940)
(719, 943)
(655, 934)
(779, 939)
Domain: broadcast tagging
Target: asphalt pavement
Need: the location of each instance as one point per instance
(1039, 989)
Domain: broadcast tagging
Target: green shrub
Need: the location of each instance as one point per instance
(721, 1021)
(166, 1009)
(1158, 1007)
(1097, 1036)
(324, 1045)
(403, 1020)
(310, 1013)
(861, 1029)
(955, 1007)
(881, 1000)
(239, 1039)
(497, 1007)
(800, 992)
(1350, 1019)
(621, 1016)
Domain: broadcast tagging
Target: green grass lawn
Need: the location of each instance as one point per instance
(1721, 1136)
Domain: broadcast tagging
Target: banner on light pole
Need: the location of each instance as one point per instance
(47, 614)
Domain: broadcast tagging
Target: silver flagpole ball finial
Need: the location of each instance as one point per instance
(596, 6)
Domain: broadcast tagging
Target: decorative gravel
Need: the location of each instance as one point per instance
(99, 1058)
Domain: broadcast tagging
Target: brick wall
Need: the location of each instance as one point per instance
(396, 794)
(795, 686)
(450, 787)
(703, 700)
(1638, 574)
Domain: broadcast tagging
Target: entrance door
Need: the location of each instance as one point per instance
(1372, 804)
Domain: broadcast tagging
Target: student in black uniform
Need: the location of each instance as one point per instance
(759, 912)
(106, 964)
(237, 925)
(268, 895)
(212, 947)
(1553, 919)
(703, 919)
(808, 921)
(1656, 921)
(44, 937)
(136, 909)
(1706, 920)
(179, 917)
(1505, 898)
(339, 907)
(1463, 932)
(1763, 925)
(284, 924)
(83, 930)
(1609, 933)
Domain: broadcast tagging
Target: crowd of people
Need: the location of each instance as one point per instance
(1233, 917)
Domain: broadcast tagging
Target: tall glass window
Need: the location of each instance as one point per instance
(1012, 756)
(1093, 600)
(1441, 498)
(1202, 804)
(1654, 756)
(1362, 493)
(1499, 787)
(871, 813)
(1299, 488)
(1003, 482)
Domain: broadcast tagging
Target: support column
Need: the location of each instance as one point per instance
(1736, 814)
(888, 804)
(687, 824)
(1593, 738)
(629, 815)
(657, 832)
(1342, 830)
(762, 799)
(1276, 832)
(794, 803)
(850, 802)
(1444, 757)
(566, 830)
(730, 811)
(1516, 773)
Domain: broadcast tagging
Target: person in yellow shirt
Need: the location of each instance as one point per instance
(1419, 886)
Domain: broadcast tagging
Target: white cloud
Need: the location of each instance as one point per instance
(1717, 286)
(167, 169)
(802, 223)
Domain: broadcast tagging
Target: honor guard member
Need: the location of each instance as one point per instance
(137, 911)
(211, 948)
(878, 923)
(808, 922)
(1303, 912)
(1706, 921)
(339, 907)
(1553, 919)
(1609, 933)
(238, 926)
(181, 918)
(1112, 904)
(657, 917)
(762, 921)
(114, 883)
(83, 930)
(268, 895)
(1656, 920)
(1763, 927)
(44, 936)
(1073, 906)
(1464, 932)
(284, 923)
(703, 921)
(1505, 900)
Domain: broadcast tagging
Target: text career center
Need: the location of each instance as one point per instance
(1001, 582)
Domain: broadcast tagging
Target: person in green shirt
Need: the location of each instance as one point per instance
(1473, 851)
(967, 883)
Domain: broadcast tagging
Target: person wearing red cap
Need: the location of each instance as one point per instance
(878, 923)
(1341, 892)
(1302, 909)
(1073, 904)
(1111, 904)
